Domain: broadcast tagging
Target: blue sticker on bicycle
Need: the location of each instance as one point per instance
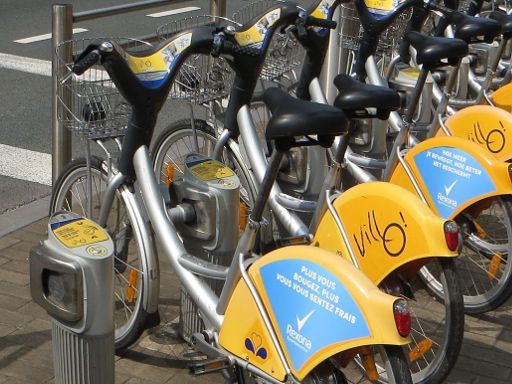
(312, 307)
(452, 177)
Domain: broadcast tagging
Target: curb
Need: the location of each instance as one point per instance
(18, 218)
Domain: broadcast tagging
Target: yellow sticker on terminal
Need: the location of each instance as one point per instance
(80, 233)
(382, 5)
(211, 170)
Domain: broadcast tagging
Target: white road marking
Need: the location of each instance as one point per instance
(26, 64)
(46, 36)
(26, 165)
(174, 12)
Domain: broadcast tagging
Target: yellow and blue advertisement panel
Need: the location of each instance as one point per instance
(453, 173)
(319, 305)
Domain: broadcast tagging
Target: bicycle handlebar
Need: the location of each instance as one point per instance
(322, 23)
(84, 63)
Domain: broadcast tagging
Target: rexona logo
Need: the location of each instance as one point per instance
(445, 199)
(295, 336)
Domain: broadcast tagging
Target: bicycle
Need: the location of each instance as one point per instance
(498, 271)
(209, 140)
(248, 329)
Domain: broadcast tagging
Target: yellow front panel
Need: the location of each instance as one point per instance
(257, 32)
(382, 228)
(322, 10)
(489, 127)
(243, 334)
(153, 70)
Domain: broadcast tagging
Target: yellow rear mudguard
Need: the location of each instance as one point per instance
(387, 228)
(452, 174)
(489, 127)
(502, 97)
(318, 305)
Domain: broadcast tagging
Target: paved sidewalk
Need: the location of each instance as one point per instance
(25, 337)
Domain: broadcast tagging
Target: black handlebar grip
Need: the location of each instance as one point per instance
(247, 50)
(86, 62)
(322, 23)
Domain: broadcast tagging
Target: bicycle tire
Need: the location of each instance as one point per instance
(390, 362)
(433, 364)
(485, 274)
(72, 182)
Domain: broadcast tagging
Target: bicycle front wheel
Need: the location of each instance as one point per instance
(484, 268)
(73, 192)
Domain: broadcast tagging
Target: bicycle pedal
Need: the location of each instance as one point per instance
(209, 366)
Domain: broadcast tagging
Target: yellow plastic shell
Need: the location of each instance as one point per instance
(502, 97)
(387, 227)
(487, 126)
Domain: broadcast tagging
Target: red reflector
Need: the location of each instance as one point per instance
(451, 234)
(402, 317)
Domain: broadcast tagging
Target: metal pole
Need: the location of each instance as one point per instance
(218, 8)
(62, 26)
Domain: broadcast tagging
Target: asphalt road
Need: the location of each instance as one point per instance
(25, 97)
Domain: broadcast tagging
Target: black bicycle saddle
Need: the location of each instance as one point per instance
(355, 96)
(431, 50)
(474, 29)
(294, 117)
(505, 21)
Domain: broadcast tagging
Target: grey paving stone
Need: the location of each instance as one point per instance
(17, 266)
(12, 303)
(30, 237)
(482, 368)
(34, 310)
(18, 369)
(6, 329)
(7, 241)
(15, 289)
(15, 253)
(14, 318)
(21, 279)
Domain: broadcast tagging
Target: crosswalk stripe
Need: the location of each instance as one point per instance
(46, 36)
(26, 64)
(174, 12)
(25, 164)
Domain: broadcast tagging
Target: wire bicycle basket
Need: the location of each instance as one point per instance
(284, 54)
(90, 105)
(201, 78)
(352, 31)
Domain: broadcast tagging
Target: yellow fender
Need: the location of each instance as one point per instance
(318, 304)
(502, 97)
(452, 174)
(489, 127)
(387, 227)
